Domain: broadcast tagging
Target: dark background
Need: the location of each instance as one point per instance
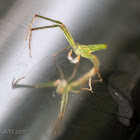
(112, 111)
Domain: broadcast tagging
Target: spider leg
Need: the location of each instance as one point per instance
(32, 21)
(95, 61)
(98, 80)
(61, 51)
(58, 24)
(43, 85)
(61, 114)
(38, 28)
(59, 68)
(74, 72)
(90, 87)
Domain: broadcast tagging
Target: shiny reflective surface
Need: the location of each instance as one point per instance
(112, 22)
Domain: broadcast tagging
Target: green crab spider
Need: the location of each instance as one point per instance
(80, 50)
